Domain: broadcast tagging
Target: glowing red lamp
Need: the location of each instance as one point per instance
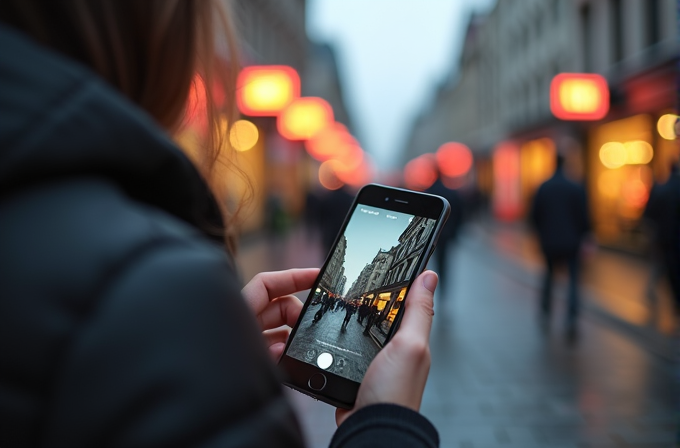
(579, 96)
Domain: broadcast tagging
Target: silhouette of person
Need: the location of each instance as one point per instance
(559, 213)
(663, 210)
(449, 232)
(349, 312)
(333, 207)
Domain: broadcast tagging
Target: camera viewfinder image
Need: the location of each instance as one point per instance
(361, 291)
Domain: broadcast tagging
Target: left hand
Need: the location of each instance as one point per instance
(270, 296)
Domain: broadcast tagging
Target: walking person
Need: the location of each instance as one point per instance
(447, 238)
(123, 320)
(663, 210)
(559, 214)
(361, 314)
(349, 312)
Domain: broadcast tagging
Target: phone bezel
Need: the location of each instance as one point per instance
(340, 391)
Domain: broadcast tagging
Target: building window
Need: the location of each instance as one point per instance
(617, 29)
(652, 26)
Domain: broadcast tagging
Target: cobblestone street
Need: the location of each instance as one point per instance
(352, 351)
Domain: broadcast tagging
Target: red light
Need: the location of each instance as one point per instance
(507, 204)
(265, 90)
(420, 173)
(454, 159)
(579, 96)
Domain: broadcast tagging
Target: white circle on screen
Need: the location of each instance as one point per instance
(325, 360)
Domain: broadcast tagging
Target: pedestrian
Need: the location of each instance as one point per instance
(361, 314)
(325, 304)
(370, 319)
(559, 214)
(349, 312)
(447, 238)
(122, 319)
(333, 206)
(663, 211)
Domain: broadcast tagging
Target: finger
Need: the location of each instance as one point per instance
(283, 310)
(276, 341)
(417, 320)
(269, 285)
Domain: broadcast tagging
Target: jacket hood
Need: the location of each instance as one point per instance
(58, 119)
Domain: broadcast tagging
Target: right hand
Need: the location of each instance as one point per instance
(398, 373)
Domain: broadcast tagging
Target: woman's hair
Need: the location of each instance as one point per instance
(153, 51)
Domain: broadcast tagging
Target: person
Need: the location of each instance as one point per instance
(333, 207)
(449, 233)
(559, 213)
(663, 211)
(122, 318)
(350, 308)
(361, 314)
(372, 315)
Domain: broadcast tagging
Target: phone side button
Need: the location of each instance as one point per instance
(317, 382)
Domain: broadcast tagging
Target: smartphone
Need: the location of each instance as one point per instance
(357, 301)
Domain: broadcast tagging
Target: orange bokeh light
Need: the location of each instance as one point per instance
(506, 173)
(357, 176)
(579, 96)
(328, 142)
(420, 173)
(328, 177)
(454, 159)
(333, 174)
(304, 118)
(265, 90)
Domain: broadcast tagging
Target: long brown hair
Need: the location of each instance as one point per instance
(151, 51)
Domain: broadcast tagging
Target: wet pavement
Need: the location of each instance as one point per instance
(499, 379)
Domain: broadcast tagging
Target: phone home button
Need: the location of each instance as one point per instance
(317, 381)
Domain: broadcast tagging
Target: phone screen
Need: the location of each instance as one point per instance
(360, 291)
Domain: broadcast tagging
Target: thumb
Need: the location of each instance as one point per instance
(419, 310)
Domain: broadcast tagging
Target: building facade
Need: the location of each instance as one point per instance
(333, 279)
(497, 101)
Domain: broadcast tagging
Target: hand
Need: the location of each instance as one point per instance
(399, 372)
(270, 296)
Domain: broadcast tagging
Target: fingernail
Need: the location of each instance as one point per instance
(430, 281)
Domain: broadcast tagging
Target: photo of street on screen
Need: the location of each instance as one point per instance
(361, 291)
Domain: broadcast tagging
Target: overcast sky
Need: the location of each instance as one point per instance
(370, 230)
(391, 55)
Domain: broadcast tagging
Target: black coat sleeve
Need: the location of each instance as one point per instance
(386, 425)
(170, 356)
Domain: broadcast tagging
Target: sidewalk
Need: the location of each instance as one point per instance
(614, 285)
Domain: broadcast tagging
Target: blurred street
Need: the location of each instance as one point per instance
(352, 362)
(497, 380)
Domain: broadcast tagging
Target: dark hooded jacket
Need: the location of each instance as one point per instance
(559, 212)
(121, 317)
